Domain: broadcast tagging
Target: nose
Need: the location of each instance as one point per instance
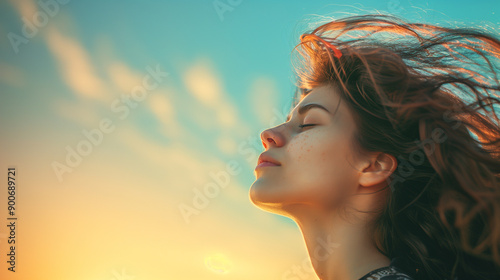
(270, 137)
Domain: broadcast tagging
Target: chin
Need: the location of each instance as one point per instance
(257, 193)
(263, 191)
(265, 199)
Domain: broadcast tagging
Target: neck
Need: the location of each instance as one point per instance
(338, 249)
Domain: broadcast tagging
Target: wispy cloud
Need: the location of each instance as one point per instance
(205, 85)
(262, 97)
(202, 81)
(161, 105)
(227, 144)
(25, 8)
(72, 58)
(74, 65)
(123, 77)
(181, 163)
(80, 114)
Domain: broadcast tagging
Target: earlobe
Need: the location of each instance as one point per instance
(379, 168)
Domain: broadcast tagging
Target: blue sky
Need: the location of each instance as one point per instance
(229, 77)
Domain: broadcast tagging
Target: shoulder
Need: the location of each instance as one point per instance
(396, 277)
(387, 273)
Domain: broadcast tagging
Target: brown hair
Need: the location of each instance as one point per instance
(426, 95)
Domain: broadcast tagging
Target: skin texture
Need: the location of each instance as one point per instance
(320, 181)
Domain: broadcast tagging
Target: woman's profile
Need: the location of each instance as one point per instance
(389, 161)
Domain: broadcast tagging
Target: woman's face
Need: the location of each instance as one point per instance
(317, 165)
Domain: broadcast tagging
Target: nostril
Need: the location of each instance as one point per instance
(271, 140)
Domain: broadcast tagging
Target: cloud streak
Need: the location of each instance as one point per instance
(25, 8)
(74, 65)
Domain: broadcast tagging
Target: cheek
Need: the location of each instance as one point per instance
(316, 150)
(319, 162)
(300, 147)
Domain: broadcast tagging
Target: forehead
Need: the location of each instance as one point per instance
(324, 95)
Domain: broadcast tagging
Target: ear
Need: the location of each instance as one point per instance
(377, 169)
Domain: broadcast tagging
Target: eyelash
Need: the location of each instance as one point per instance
(306, 125)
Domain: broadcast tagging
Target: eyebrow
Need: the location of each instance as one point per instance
(304, 108)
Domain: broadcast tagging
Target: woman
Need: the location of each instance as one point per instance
(389, 161)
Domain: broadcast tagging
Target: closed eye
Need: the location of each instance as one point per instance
(306, 125)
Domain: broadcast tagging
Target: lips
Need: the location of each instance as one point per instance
(266, 160)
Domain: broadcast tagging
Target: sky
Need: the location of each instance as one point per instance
(134, 128)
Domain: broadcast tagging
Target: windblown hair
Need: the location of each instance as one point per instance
(427, 95)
